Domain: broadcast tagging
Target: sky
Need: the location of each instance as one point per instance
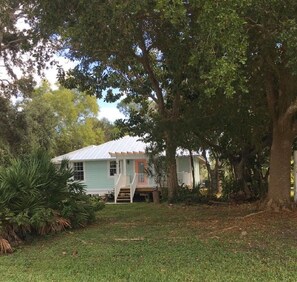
(106, 110)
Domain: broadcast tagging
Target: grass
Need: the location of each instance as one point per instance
(146, 242)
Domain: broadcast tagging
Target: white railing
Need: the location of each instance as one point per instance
(184, 178)
(132, 182)
(133, 187)
(120, 182)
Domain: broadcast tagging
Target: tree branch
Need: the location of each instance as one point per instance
(138, 77)
(253, 23)
(7, 45)
(147, 66)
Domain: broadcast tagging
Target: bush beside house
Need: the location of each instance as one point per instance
(36, 198)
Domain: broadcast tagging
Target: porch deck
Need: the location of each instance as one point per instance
(144, 189)
(127, 185)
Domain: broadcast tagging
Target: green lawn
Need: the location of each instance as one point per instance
(146, 242)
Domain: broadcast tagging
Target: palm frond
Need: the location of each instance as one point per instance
(5, 246)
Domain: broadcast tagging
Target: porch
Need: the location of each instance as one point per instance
(126, 186)
(134, 175)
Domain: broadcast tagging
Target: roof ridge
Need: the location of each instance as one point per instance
(124, 144)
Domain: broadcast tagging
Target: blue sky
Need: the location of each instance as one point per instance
(106, 110)
(109, 111)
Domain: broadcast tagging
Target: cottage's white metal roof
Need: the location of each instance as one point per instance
(108, 150)
(126, 144)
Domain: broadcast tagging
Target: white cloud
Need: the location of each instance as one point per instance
(50, 74)
(111, 113)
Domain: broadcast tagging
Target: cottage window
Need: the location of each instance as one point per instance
(78, 169)
(112, 168)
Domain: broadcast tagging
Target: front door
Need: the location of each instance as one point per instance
(140, 170)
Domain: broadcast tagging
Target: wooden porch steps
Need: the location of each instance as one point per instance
(124, 196)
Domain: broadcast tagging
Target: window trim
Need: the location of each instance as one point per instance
(108, 168)
(83, 170)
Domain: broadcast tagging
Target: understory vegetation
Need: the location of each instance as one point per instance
(188, 196)
(147, 242)
(37, 198)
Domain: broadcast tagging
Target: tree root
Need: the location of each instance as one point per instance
(252, 214)
(223, 230)
(277, 205)
(129, 239)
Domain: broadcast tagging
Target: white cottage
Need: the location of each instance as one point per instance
(120, 166)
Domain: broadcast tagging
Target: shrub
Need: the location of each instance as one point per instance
(37, 198)
(164, 193)
(236, 191)
(229, 187)
(189, 196)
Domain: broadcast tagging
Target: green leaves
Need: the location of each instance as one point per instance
(36, 197)
(61, 120)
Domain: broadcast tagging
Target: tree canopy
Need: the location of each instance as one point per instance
(204, 74)
(23, 51)
(62, 120)
(139, 50)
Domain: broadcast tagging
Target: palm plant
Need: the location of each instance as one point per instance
(36, 197)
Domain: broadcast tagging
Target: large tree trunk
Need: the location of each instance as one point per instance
(171, 171)
(280, 164)
(282, 104)
(192, 169)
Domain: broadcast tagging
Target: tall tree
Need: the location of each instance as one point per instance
(128, 52)
(269, 33)
(40, 122)
(139, 49)
(271, 27)
(234, 128)
(12, 128)
(23, 51)
(110, 130)
(61, 120)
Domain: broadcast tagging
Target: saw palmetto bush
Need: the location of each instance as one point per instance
(36, 197)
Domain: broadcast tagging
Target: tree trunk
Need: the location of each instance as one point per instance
(238, 167)
(171, 171)
(280, 87)
(295, 176)
(208, 168)
(192, 169)
(217, 183)
(280, 165)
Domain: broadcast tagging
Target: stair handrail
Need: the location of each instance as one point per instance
(117, 187)
(133, 187)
